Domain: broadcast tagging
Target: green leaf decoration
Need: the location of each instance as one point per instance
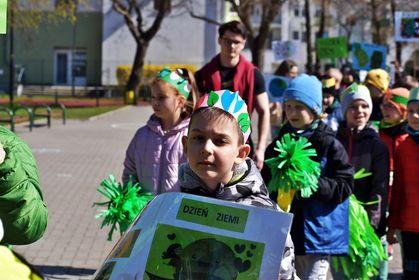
(212, 98)
(361, 174)
(365, 249)
(293, 168)
(244, 122)
(123, 205)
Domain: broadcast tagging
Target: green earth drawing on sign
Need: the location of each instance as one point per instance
(277, 86)
(178, 253)
(408, 27)
(376, 60)
(361, 55)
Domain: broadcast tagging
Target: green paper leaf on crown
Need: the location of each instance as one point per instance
(124, 205)
(244, 122)
(293, 168)
(212, 98)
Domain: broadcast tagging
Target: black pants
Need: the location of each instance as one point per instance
(410, 243)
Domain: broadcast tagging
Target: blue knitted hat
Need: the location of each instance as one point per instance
(307, 90)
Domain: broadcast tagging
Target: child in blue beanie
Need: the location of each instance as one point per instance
(321, 223)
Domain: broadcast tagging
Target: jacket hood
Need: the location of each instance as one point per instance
(154, 124)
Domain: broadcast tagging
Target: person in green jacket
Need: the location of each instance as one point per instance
(22, 208)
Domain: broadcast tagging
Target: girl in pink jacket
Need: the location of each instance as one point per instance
(156, 151)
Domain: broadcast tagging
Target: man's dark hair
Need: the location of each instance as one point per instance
(233, 26)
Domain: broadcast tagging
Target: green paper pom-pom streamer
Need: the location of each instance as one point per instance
(293, 168)
(125, 203)
(366, 251)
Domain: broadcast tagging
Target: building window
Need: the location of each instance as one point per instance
(277, 18)
(296, 12)
(70, 67)
(275, 35)
(295, 35)
(304, 37)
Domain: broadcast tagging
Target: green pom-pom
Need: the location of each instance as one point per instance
(293, 168)
(365, 249)
(124, 205)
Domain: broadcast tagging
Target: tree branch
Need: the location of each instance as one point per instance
(149, 34)
(120, 8)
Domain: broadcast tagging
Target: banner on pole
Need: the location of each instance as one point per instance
(368, 56)
(3, 16)
(406, 27)
(334, 47)
(282, 50)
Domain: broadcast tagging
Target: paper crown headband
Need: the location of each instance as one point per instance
(232, 103)
(354, 88)
(176, 79)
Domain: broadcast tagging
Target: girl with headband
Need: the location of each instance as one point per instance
(155, 152)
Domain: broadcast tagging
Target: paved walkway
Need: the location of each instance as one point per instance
(73, 159)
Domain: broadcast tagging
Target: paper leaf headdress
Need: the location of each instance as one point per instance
(176, 79)
(232, 103)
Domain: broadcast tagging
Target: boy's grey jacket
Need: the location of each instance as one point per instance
(246, 187)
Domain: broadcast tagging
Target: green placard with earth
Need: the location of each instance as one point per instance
(180, 253)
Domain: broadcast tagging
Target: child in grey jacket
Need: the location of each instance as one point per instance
(218, 165)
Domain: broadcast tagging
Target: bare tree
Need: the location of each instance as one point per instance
(132, 11)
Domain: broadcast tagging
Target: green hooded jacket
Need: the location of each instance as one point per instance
(22, 209)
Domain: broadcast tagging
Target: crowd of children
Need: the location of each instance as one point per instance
(201, 149)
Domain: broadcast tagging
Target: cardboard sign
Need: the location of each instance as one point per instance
(276, 86)
(333, 47)
(3, 16)
(406, 26)
(368, 56)
(282, 50)
(179, 236)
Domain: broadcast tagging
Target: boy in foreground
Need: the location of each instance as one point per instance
(218, 165)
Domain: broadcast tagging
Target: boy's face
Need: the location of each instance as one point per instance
(413, 115)
(231, 44)
(358, 114)
(390, 113)
(212, 150)
(298, 114)
(328, 99)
